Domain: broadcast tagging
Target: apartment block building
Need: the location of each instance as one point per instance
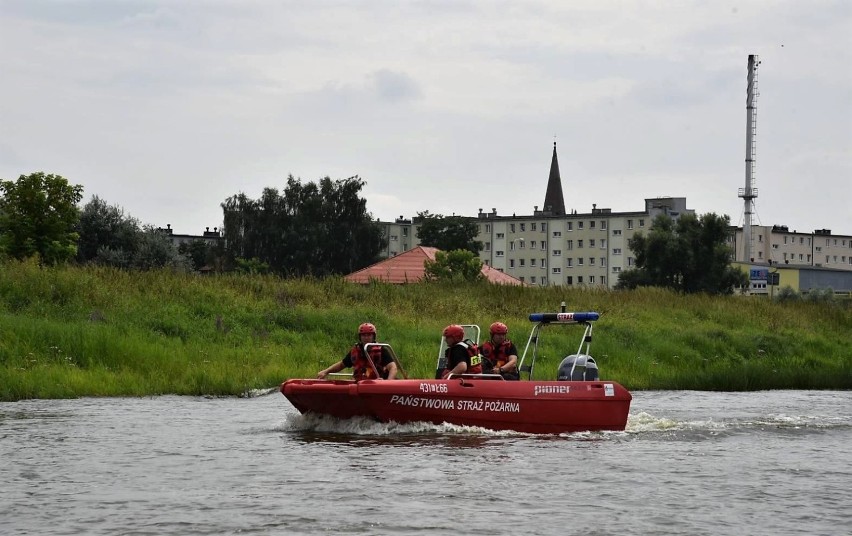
(576, 249)
(778, 245)
(590, 249)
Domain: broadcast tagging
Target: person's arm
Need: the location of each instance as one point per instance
(458, 355)
(388, 365)
(511, 360)
(337, 367)
(391, 368)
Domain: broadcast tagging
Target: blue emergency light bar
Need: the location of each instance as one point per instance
(564, 317)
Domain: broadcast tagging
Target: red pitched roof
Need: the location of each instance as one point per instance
(407, 267)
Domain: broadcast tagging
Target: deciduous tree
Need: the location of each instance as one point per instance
(38, 216)
(455, 265)
(690, 255)
(104, 227)
(309, 229)
(448, 232)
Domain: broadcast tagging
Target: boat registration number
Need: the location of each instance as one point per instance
(433, 387)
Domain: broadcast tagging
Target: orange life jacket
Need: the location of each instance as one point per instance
(361, 368)
(498, 356)
(475, 366)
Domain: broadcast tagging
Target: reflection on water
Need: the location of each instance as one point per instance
(179, 465)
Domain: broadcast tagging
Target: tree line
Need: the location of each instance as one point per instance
(318, 228)
(308, 229)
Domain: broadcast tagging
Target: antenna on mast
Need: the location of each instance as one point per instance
(749, 193)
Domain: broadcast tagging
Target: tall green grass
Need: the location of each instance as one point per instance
(92, 331)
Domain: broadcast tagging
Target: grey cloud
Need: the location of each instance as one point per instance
(393, 86)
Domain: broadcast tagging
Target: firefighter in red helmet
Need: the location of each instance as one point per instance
(461, 356)
(365, 362)
(499, 355)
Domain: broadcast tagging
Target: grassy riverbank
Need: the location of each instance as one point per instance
(72, 331)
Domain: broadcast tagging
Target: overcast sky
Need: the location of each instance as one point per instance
(166, 108)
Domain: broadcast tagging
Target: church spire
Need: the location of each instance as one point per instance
(554, 202)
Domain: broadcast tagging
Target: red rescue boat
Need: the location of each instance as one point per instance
(576, 401)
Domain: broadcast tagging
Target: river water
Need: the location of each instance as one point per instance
(689, 463)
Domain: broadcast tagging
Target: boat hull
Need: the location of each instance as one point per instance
(523, 406)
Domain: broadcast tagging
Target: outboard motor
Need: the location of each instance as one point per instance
(584, 368)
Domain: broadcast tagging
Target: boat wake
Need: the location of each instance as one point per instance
(643, 422)
(364, 426)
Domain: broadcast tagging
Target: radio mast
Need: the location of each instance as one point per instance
(749, 193)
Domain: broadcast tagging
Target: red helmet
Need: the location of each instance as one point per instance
(365, 328)
(499, 328)
(455, 331)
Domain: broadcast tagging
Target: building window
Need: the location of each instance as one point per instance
(544, 263)
(591, 242)
(511, 227)
(532, 262)
(569, 280)
(591, 261)
(511, 263)
(569, 262)
(557, 234)
(569, 244)
(591, 280)
(521, 262)
(557, 252)
(500, 235)
(616, 269)
(579, 261)
(580, 225)
(579, 244)
(603, 262)
(488, 246)
(394, 238)
(533, 227)
(570, 226)
(641, 223)
(544, 280)
(405, 231)
(487, 227)
(592, 224)
(556, 270)
(523, 227)
(544, 227)
(603, 243)
(498, 254)
(579, 280)
(629, 261)
(603, 225)
(532, 279)
(603, 280)
(629, 224)
(616, 232)
(616, 251)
